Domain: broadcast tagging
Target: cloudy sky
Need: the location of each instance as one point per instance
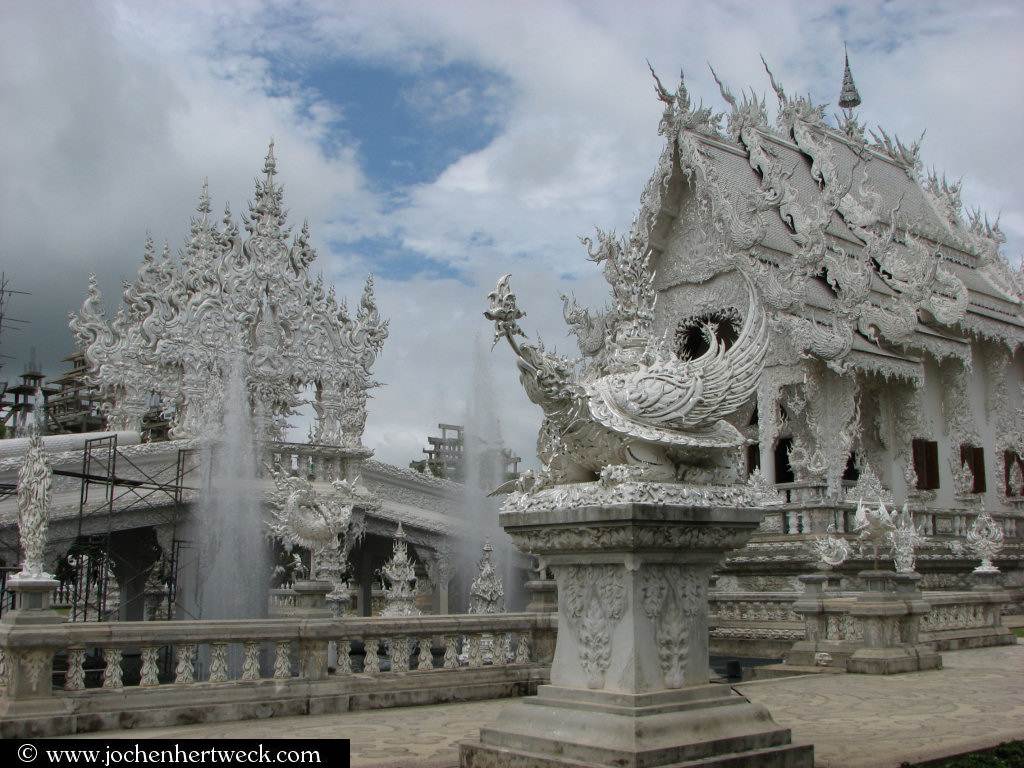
(437, 145)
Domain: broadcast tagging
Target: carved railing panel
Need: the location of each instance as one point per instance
(244, 652)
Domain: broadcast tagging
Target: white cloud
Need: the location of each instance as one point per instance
(110, 129)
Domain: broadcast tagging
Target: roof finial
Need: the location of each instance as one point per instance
(270, 162)
(848, 95)
(204, 198)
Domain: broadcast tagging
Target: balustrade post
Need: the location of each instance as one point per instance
(282, 660)
(150, 666)
(474, 654)
(523, 649)
(112, 677)
(398, 649)
(251, 661)
(344, 646)
(426, 658)
(74, 679)
(371, 662)
(218, 662)
(185, 671)
(451, 653)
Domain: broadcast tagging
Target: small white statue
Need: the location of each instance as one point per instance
(399, 580)
(904, 538)
(985, 540)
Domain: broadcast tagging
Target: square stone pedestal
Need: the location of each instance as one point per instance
(629, 680)
(705, 725)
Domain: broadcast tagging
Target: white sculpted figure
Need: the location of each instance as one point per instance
(35, 478)
(637, 402)
(486, 594)
(904, 538)
(318, 521)
(832, 550)
(877, 527)
(985, 541)
(399, 580)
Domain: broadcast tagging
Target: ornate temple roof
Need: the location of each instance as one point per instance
(829, 215)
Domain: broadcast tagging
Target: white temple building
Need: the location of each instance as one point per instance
(894, 370)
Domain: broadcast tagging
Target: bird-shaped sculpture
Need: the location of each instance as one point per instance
(661, 415)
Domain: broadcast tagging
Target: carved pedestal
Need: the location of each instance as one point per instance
(29, 670)
(889, 612)
(629, 680)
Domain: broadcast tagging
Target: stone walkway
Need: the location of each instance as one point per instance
(854, 721)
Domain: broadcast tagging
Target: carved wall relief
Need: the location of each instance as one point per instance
(594, 600)
(672, 596)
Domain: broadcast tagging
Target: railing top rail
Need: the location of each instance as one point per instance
(148, 633)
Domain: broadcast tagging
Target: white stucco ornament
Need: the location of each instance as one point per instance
(35, 480)
(231, 296)
(636, 401)
(399, 580)
(985, 541)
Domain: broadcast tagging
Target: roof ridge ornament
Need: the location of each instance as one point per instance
(849, 96)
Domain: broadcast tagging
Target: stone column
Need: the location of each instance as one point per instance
(629, 679)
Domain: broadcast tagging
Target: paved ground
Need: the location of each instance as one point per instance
(854, 721)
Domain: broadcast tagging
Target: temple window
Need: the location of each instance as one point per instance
(852, 472)
(753, 458)
(1013, 474)
(974, 457)
(926, 464)
(783, 469)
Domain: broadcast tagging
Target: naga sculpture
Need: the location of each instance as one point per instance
(638, 409)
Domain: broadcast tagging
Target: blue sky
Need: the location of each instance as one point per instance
(437, 145)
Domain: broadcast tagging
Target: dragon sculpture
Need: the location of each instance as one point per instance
(639, 409)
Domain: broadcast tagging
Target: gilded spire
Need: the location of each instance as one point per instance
(848, 95)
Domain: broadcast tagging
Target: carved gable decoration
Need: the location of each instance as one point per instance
(185, 321)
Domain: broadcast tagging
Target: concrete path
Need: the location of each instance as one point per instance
(854, 721)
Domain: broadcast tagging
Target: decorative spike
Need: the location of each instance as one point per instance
(204, 198)
(149, 253)
(726, 93)
(848, 95)
(776, 85)
(270, 162)
(659, 89)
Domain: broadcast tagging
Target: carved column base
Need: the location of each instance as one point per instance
(709, 725)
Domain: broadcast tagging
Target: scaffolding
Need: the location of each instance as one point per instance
(111, 483)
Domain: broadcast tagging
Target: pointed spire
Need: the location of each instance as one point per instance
(848, 95)
(270, 163)
(204, 198)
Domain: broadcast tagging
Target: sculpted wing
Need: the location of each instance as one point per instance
(683, 402)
